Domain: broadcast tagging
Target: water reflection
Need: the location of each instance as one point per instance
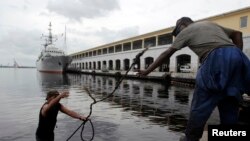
(162, 105)
(50, 81)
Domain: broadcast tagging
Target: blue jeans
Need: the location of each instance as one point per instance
(221, 80)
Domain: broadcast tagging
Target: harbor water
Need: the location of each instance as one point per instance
(138, 111)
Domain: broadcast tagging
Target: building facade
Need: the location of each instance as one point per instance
(119, 55)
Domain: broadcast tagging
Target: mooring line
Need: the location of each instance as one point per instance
(136, 60)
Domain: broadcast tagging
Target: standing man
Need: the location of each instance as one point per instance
(48, 115)
(224, 74)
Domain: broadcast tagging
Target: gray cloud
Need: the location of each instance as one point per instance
(106, 35)
(20, 44)
(80, 40)
(78, 9)
(111, 35)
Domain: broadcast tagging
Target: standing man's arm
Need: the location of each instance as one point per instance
(166, 54)
(236, 37)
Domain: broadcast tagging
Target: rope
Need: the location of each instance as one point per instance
(136, 60)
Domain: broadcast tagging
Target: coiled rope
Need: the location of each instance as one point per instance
(136, 60)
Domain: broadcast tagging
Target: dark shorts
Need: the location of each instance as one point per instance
(44, 139)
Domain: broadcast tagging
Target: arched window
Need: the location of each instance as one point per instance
(117, 64)
(126, 64)
(110, 65)
(183, 63)
(148, 61)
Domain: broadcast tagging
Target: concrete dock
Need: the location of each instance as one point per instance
(181, 79)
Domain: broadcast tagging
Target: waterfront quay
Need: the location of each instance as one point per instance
(182, 79)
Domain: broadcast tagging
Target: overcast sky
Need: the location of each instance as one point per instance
(91, 23)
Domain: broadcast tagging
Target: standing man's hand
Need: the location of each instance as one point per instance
(142, 73)
(159, 60)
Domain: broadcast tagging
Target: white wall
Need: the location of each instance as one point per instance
(153, 52)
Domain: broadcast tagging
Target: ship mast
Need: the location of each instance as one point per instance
(49, 39)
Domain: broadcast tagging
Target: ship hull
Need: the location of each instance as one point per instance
(53, 64)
